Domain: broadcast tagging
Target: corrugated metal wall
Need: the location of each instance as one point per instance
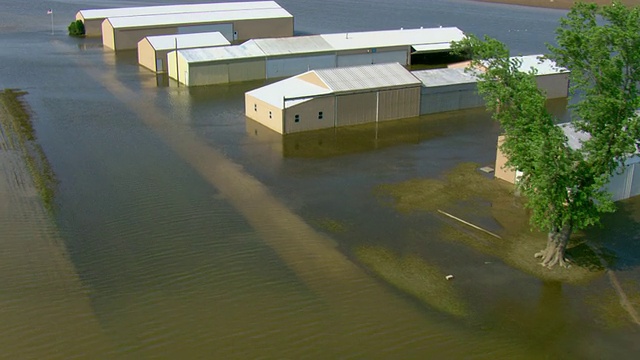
(432, 103)
(356, 109)
(368, 58)
(289, 66)
(398, 104)
(308, 115)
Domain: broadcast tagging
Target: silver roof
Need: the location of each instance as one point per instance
(337, 80)
(387, 38)
(293, 45)
(543, 66)
(195, 18)
(440, 77)
(366, 77)
(186, 41)
(292, 87)
(246, 50)
(95, 14)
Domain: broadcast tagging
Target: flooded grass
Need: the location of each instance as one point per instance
(415, 277)
(480, 199)
(20, 135)
(607, 307)
(332, 225)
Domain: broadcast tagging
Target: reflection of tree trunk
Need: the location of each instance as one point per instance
(557, 240)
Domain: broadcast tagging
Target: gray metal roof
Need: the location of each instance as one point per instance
(355, 78)
(125, 22)
(388, 38)
(246, 50)
(293, 45)
(186, 41)
(96, 14)
(441, 77)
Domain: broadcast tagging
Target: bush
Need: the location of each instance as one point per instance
(76, 28)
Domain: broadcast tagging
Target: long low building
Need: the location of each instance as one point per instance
(345, 96)
(271, 58)
(152, 50)
(93, 18)
(124, 33)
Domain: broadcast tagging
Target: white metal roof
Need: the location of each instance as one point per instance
(441, 77)
(125, 22)
(246, 50)
(366, 77)
(186, 41)
(95, 14)
(542, 65)
(387, 38)
(293, 45)
(293, 87)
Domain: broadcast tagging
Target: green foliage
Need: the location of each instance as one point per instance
(564, 185)
(76, 28)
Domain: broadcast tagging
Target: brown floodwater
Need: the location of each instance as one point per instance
(182, 229)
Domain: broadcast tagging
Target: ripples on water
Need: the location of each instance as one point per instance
(159, 256)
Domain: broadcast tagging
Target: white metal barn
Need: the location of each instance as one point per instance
(326, 98)
(124, 33)
(152, 50)
(280, 57)
(621, 185)
(93, 18)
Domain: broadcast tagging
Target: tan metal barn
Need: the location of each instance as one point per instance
(124, 33)
(622, 185)
(93, 18)
(283, 57)
(328, 98)
(152, 50)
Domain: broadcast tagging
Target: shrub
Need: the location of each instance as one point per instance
(76, 28)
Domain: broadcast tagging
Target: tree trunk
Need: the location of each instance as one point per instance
(556, 245)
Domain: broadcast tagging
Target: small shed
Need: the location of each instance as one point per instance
(326, 98)
(622, 185)
(124, 33)
(93, 18)
(152, 50)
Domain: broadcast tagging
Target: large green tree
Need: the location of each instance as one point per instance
(564, 186)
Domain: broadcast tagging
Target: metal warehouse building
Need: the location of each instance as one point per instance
(622, 184)
(152, 50)
(124, 33)
(454, 89)
(336, 97)
(276, 58)
(93, 18)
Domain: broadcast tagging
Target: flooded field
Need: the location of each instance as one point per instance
(181, 229)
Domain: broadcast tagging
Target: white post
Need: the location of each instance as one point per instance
(51, 13)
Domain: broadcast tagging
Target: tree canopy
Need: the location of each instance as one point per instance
(564, 185)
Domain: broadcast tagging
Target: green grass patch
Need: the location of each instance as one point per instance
(414, 276)
(20, 135)
(478, 198)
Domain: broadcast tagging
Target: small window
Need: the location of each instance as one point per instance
(255, 107)
(269, 114)
(320, 115)
(296, 118)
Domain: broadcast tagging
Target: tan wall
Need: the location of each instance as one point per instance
(146, 55)
(247, 70)
(264, 113)
(501, 172)
(555, 85)
(263, 28)
(313, 79)
(108, 39)
(308, 112)
(128, 39)
(399, 104)
(355, 109)
(182, 66)
(92, 28)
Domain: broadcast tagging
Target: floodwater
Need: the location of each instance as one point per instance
(183, 230)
